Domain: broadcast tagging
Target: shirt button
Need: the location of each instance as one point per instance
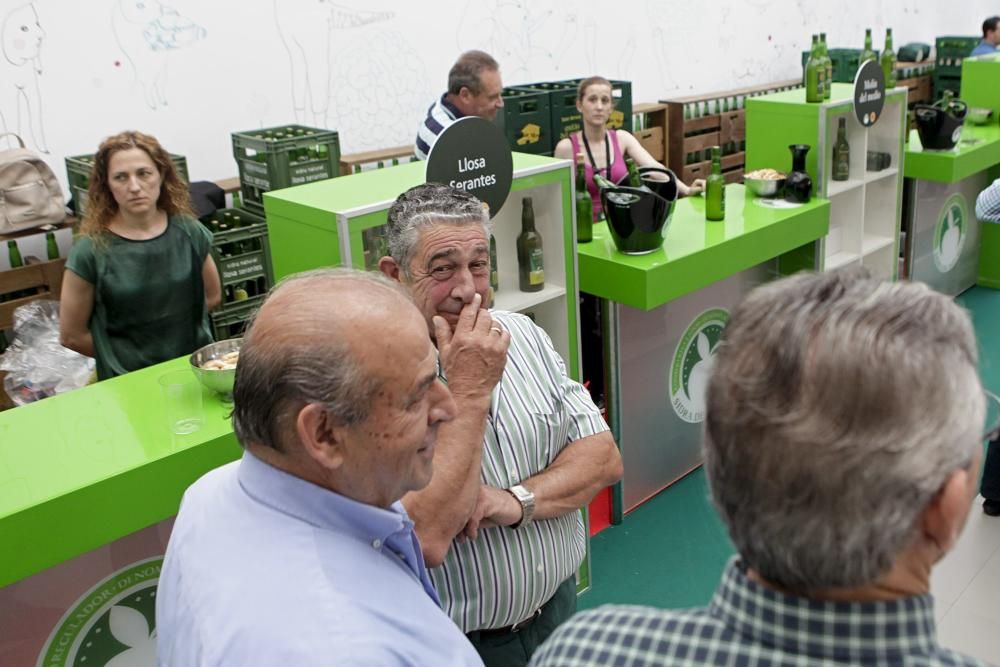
(376, 544)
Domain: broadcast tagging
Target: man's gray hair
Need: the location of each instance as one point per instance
(430, 203)
(468, 70)
(278, 373)
(837, 408)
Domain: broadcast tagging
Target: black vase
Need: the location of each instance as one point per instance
(798, 184)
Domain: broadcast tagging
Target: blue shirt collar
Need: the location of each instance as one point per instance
(319, 506)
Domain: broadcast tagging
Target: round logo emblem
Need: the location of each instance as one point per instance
(112, 623)
(692, 364)
(950, 232)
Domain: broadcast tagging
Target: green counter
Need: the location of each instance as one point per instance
(85, 468)
(978, 150)
(941, 190)
(662, 314)
(697, 253)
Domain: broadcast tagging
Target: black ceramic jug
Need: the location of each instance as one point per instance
(798, 184)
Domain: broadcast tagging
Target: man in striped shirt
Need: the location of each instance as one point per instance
(474, 89)
(499, 523)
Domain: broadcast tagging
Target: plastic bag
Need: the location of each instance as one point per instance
(37, 365)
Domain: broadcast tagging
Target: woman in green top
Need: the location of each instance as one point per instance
(140, 280)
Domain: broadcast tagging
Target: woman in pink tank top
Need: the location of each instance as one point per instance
(604, 151)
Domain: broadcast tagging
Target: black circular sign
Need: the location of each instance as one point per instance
(472, 154)
(869, 93)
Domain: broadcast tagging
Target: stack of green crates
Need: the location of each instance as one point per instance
(280, 157)
(243, 257)
(525, 120)
(78, 175)
(563, 115)
(950, 51)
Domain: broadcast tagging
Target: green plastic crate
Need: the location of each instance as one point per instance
(525, 120)
(78, 170)
(845, 63)
(280, 157)
(955, 45)
(242, 254)
(231, 321)
(564, 117)
(943, 83)
(621, 92)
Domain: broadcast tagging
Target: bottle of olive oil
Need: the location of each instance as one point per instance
(867, 53)
(828, 66)
(841, 153)
(715, 189)
(888, 61)
(584, 204)
(815, 74)
(530, 264)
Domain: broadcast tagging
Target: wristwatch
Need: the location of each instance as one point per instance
(527, 500)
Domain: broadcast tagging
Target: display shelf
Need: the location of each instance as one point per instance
(517, 301)
(839, 260)
(871, 243)
(864, 210)
(835, 188)
(882, 264)
(874, 176)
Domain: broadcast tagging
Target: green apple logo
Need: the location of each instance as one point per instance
(950, 232)
(111, 625)
(692, 364)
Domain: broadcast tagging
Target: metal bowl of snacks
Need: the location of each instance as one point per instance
(764, 182)
(215, 365)
(979, 115)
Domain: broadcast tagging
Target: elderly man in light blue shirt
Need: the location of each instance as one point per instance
(300, 553)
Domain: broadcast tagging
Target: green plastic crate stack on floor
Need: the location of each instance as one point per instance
(280, 157)
(78, 170)
(243, 257)
(950, 51)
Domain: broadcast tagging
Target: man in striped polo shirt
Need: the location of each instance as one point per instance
(499, 523)
(474, 89)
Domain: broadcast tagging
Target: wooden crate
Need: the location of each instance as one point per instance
(690, 136)
(44, 279)
(354, 162)
(654, 135)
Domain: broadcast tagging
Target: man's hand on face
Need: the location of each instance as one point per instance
(474, 354)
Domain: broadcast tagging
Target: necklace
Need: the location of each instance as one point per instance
(607, 152)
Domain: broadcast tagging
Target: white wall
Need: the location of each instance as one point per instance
(193, 71)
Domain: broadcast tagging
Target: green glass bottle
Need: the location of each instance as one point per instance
(51, 247)
(815, 73)
(633, 174)
(888, 61)
(584, 204)
(237, 199)
(494, 270)
(14, 253)
(828, 65)
(867, 53)
(530, 264)
(715, 189)
(841, 153)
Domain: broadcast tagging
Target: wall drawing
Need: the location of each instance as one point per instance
(528, 39)
(21, 38)
(305, 28)
(147, 31)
